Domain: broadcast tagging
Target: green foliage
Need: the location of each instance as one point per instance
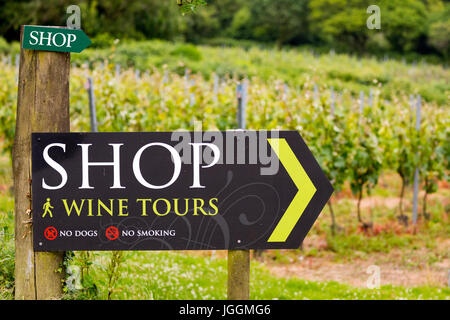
(402, 150)
(439, 29)
(113, 271)
(281, 21)
(187, 51)
(366, 152)
(333, 150)
(8, 98)
(351, 244)
(433, 157)
(4, 46)
(296, 67)
(340, 21)
(102, 40)
(190, 6)
(404, 22)
(80, 284)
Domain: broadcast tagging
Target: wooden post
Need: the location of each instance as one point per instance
(361, 102)
(192, 95)
(92, 111)
(416, 172)
(117, 71)
(361, 105)
(285, 91)
(166, 77)
(332, 102)
(316, 93)
(216, 87)
(371, 98)
(239, 260)
(241, 93)
(42, 106)
(238, 274)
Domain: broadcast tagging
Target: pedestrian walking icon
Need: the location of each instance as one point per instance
(47, 208)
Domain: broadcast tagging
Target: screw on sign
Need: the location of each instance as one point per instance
(50, 233)
(112, 233)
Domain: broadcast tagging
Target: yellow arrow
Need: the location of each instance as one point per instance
(306, 190)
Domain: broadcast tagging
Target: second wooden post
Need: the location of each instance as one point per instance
(239, 260)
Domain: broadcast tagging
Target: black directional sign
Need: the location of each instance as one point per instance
(174, 190)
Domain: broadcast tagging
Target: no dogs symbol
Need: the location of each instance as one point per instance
(50, 233)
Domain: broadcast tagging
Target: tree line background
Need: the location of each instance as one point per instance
(407, 26)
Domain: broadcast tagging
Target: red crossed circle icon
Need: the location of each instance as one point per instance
(50, 233)
(112, 233)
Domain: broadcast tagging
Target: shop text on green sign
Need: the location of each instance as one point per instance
(54, 39)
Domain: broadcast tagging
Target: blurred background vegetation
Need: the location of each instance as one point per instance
(407, 26)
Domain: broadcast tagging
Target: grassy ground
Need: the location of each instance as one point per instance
(169, 275)
(6, 245)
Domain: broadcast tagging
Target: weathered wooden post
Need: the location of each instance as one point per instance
(238, 274)
(42, 105)
(239, 260)
(92, 110)
(241, 93)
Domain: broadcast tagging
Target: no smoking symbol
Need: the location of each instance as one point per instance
(50, 233)
(112, 233)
